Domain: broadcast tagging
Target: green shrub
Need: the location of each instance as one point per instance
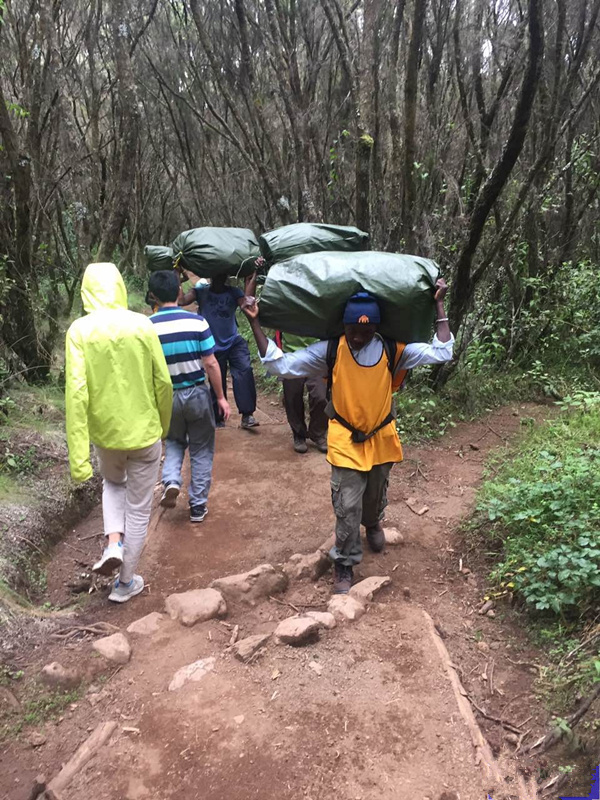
(543, 512)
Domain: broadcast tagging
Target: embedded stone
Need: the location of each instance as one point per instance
(297, 630)
(197, 605)
(324, 618)
(345, 607)
(393, 536)
(146, 626)
(364, 590)
(192, 673)
(114, 648)
(311, 566)
(55, 674)
(327, 544)
(249, 587)
(246, 648)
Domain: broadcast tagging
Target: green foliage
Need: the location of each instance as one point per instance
(19, 463)
(422, 414)
(543, 512)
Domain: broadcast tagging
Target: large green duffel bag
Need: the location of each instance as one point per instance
(158, 257)
(307, 295)
(307, 237)
(208, 252)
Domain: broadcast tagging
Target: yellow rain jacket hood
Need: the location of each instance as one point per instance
(117, 386)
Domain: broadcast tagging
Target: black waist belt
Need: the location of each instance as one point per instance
(358, 436)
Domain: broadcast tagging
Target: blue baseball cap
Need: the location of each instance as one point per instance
(362, 309)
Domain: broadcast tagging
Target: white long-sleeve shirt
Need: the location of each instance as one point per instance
(312, 361)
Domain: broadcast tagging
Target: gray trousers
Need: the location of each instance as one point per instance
(193, 426)
(358, 497)
(129, 478)
(293, 400)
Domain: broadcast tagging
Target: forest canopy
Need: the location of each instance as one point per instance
(465, 131)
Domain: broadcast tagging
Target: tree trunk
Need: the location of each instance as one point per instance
(409, 192)
(118, 213)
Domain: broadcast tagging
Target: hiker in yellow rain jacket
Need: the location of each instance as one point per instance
(119, 397)
(362, 441)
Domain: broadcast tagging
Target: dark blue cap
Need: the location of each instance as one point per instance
(362, 308)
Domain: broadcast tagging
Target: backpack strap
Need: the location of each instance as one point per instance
(200, 297)
(394, 352)
(332, 348)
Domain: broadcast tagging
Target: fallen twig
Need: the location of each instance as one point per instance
(90, 536)
(87, 751)
(483, 751)
(234, 636)
(504, 439)
(508, 726)
(556, 734)
(285, 603)
(77, 549)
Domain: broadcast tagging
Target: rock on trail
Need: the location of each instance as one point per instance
(324, 618)
(192, 673)
(393, 537)
(309, 566)
(345, 607)
(297, 631)
(364, 590)
(246, 648)
(114, 648)
(249, 587)
(146, 626)
(55, 674)
(197, 605)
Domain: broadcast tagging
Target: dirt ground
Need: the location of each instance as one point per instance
(376, 717)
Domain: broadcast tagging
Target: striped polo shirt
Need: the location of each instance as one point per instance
(185, 339)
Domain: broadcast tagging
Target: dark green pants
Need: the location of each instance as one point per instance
(358, 498)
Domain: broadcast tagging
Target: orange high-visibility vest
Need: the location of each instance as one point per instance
(363, 397)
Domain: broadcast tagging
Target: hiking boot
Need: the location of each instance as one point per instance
(170, 495)
(248, 421)
(376, 539)
(111, 559)
(197, 513)
(122, 592)
(321, 444)
(219, 424)
(342, 578)
(300, 445)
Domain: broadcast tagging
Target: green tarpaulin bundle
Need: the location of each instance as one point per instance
(307, 295)
(306, 237)
(208, 252)
(158, 257)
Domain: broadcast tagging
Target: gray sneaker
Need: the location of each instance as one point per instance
(122, 592)
(248, 421)
(110, 560)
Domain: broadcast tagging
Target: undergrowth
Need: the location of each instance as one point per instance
(538, 522)
(543, 513)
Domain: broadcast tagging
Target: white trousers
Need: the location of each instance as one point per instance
(129, 478)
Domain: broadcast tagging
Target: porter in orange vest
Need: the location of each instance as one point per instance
(362, 370)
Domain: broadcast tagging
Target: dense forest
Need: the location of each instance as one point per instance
(462, 130)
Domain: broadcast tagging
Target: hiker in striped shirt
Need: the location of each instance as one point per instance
(189, 349)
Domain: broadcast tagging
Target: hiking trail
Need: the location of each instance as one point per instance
(367, 710)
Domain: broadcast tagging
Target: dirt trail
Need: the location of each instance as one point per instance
(379, 721)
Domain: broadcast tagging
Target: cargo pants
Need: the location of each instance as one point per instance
(357, 497)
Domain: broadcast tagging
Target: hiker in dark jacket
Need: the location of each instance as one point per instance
(362, 439)
(293, 400)
(217, 303)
